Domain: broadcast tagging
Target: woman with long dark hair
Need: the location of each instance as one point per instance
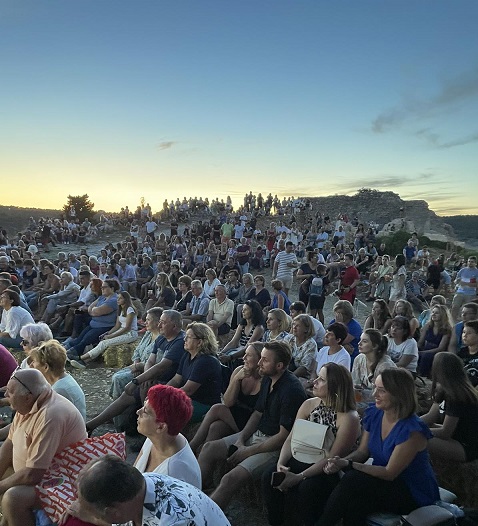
(453, 417)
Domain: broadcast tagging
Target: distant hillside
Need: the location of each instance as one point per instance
(465, 227)
(14, 218)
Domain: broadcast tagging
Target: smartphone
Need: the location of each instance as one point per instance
(277, 478)
(231, 450)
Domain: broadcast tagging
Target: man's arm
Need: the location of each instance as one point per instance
(6, 456)
(23, 477)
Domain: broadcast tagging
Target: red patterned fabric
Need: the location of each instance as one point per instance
(57, 490)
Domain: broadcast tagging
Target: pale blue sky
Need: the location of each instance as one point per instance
(123, 99)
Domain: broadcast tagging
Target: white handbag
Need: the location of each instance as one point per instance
(311, 442)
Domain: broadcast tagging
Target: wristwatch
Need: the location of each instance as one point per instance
(135, 381)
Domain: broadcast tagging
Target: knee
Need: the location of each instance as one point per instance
(235, 477)
(18, 498)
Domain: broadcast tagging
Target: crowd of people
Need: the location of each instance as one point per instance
(256, 374)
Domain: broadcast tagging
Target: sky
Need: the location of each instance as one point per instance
(171, 98)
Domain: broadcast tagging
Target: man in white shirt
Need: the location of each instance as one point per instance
(284, 265)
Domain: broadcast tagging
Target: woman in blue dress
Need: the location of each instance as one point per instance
(401, 478)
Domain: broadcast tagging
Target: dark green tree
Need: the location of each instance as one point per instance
(82, 205)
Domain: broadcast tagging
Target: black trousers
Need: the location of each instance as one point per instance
(308, 498)
(359, 495)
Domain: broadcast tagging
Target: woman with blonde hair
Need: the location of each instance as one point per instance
(50, 359)
(304, 347)
(435, 337)
(164, 293)
(199, 373)
(278, 325)
(124, 331)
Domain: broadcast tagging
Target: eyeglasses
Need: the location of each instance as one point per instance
(14, 377)
(190, 338)
(24, 342)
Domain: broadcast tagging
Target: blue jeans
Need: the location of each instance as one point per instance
(7, 341)
(88, 336)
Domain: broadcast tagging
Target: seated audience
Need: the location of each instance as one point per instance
(378, 317)
(278, 324)
(344, 313)
(32, 335)
(221, 311)
(303, 347)
(469, 312)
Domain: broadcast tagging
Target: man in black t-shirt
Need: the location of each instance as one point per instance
(259, 443)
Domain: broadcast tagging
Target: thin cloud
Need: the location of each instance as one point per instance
(452, 92)
(166, 145)
(435, 140)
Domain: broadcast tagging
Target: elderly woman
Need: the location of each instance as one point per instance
(32, 335)
(13, 319)
(333, 405)
(50, 359)
(401, 478)
(164, 414)
(199, 373)
(67, 294)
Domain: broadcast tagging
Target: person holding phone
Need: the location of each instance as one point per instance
(332, 405)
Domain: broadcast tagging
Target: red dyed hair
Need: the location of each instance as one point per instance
(171, 406)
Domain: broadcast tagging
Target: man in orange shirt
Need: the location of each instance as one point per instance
(45, 423)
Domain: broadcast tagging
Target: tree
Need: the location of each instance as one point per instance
(82, 205)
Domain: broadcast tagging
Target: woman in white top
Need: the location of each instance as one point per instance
(333, 351)
(165, 413)
(211, 282)
(14, 318)
(124, 331)
(402, 348)
(370, 362)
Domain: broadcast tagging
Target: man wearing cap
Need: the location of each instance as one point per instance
(45, 423)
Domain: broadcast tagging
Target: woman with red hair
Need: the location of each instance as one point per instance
(164, 414)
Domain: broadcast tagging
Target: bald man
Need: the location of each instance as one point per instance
(45, 423)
